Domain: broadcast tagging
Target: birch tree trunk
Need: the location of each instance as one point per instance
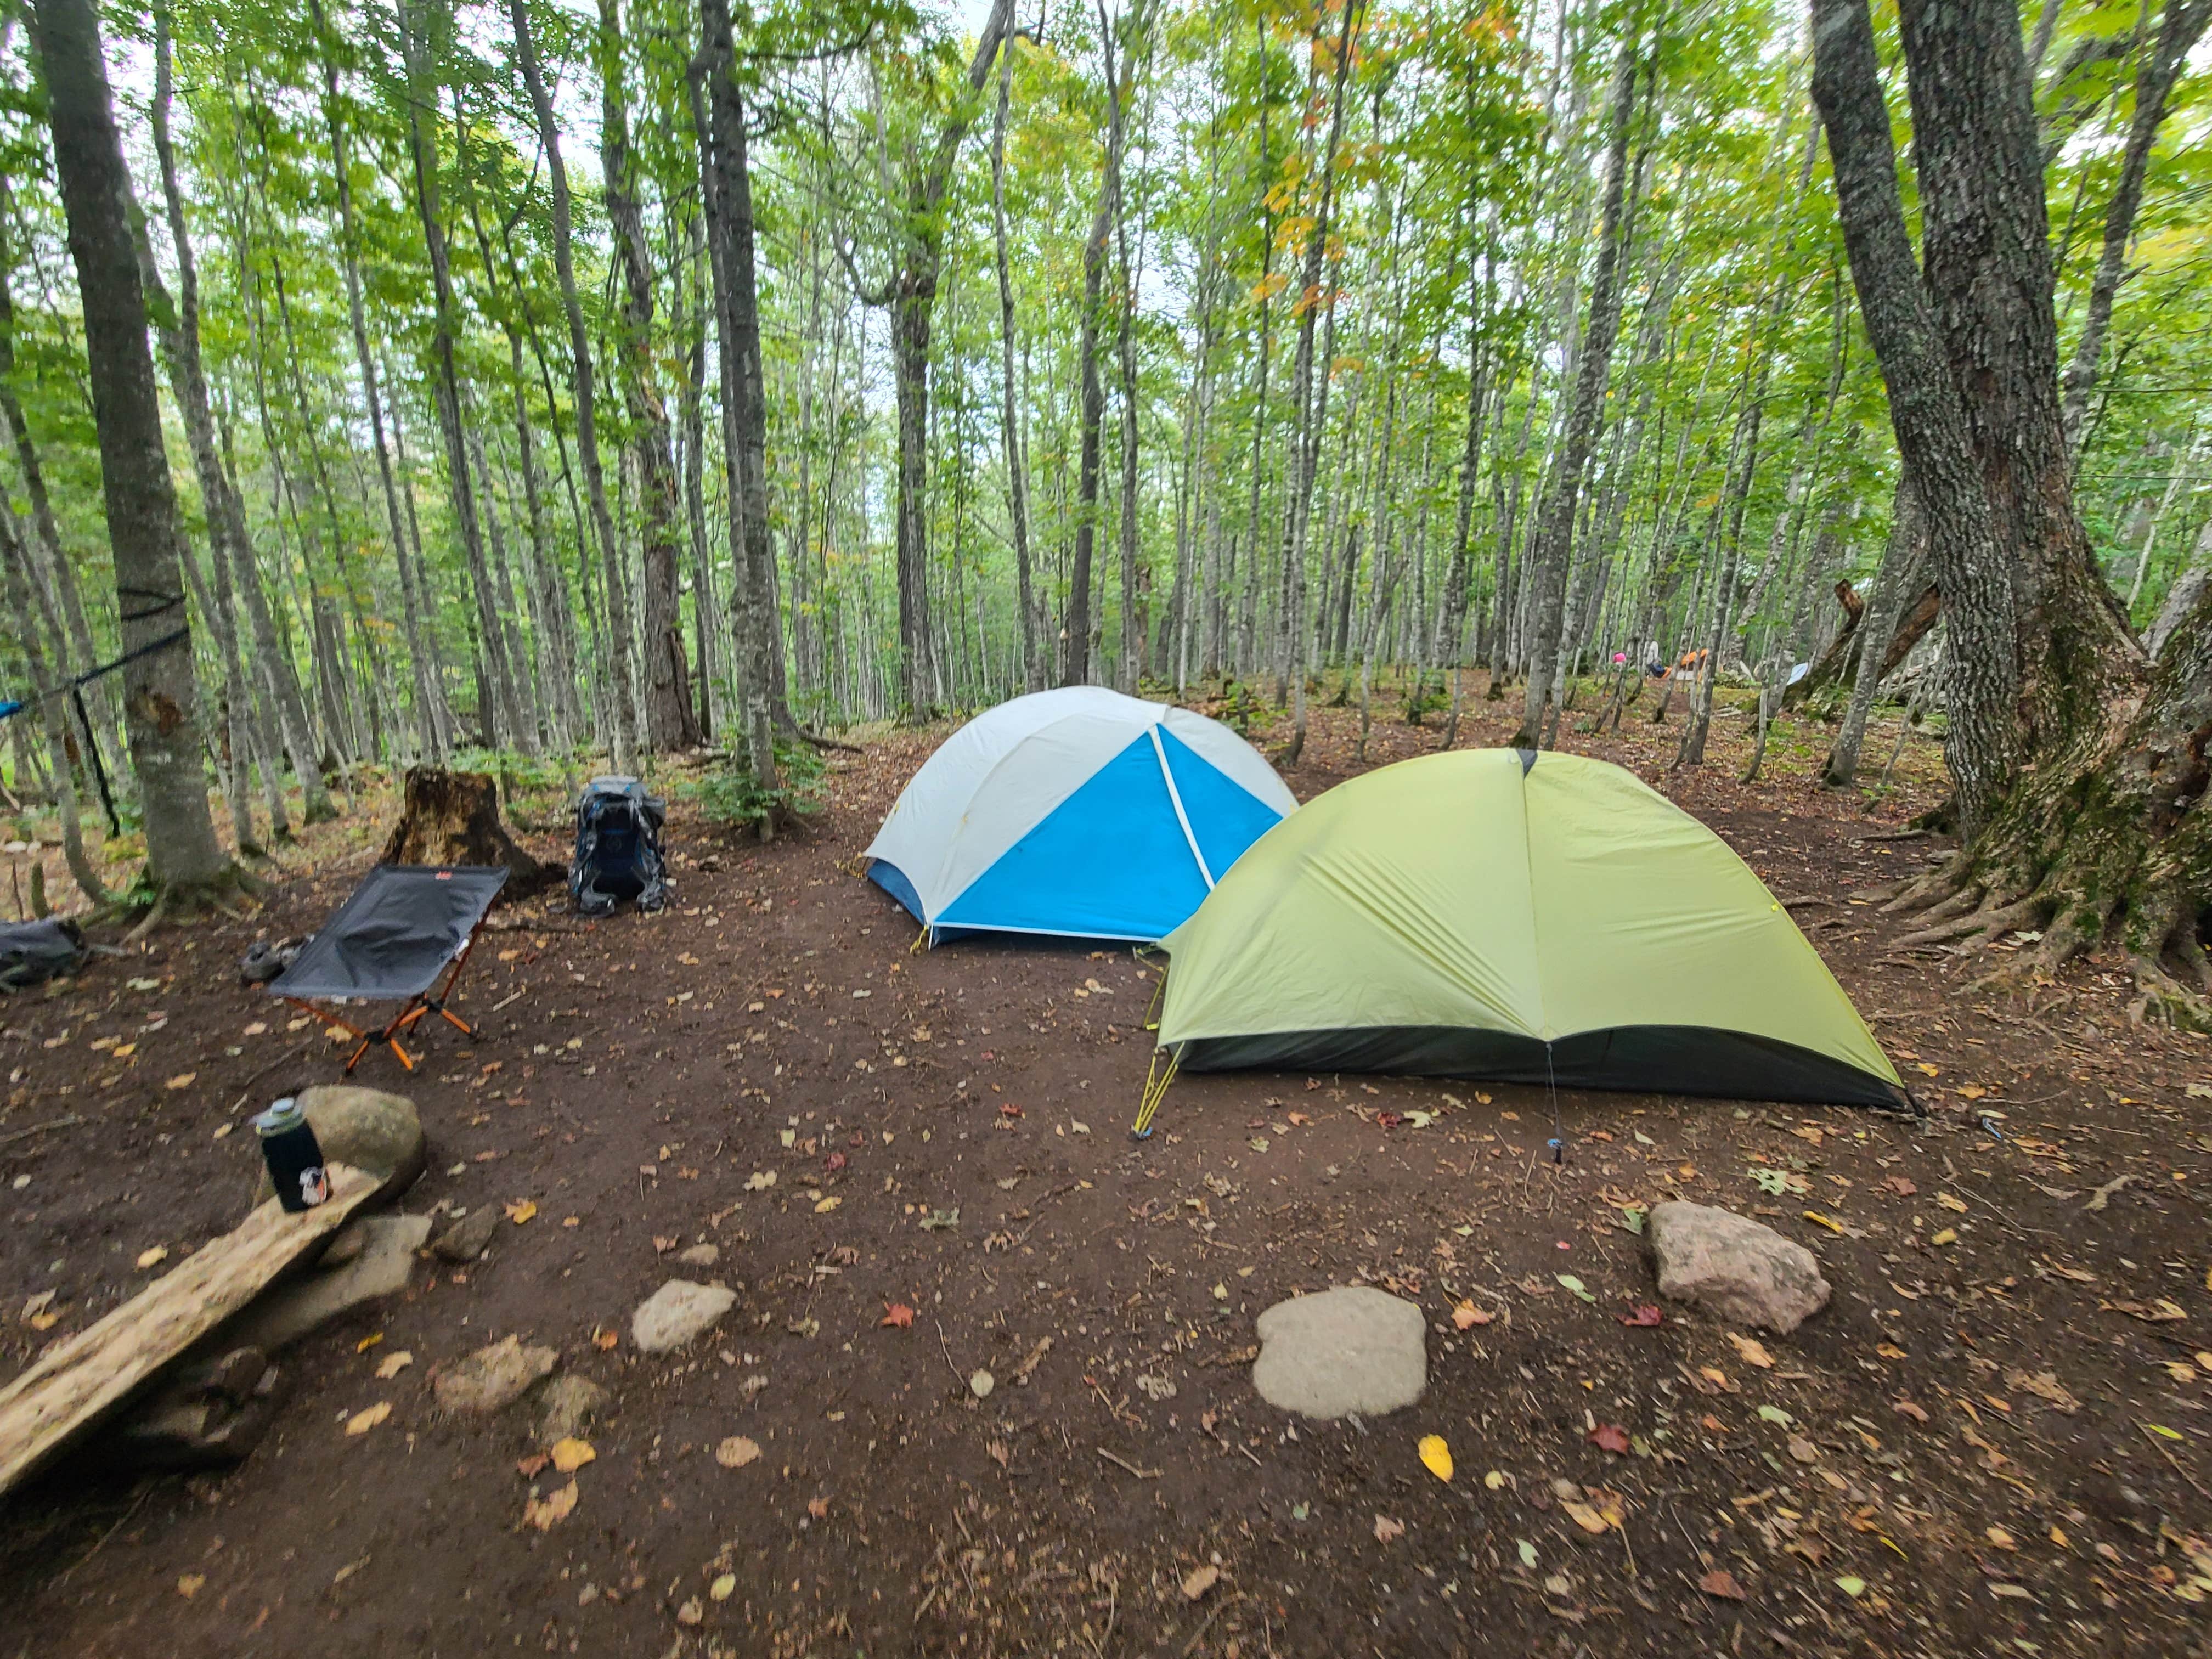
(161, 702)
(1554, 544)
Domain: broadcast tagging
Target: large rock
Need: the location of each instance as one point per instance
(380, 1266)
(1354, 1349)
(492, 1378)
(678, 1311)
(365, 1128)
(1734, 1268)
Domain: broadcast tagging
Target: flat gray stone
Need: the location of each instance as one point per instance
(569, 1403)
(492, 1378)
(1354, 1349)
(379, 1268)
(678, 1311)
(466, 1239)
(1734, 1268)
(365, 1128)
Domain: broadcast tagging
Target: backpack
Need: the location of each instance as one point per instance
(618, 853)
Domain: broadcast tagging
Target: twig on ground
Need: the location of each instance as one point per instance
(69, 1122)
(247, 1093)
(1199, 1635)
(1124, 1464)
(2155, 1440)
(943, 1348)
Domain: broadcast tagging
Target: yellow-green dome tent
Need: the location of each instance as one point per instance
(1500, 913)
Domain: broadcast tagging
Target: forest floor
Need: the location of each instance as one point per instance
(1994, 1440)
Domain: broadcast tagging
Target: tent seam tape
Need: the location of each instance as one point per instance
(1175, 795)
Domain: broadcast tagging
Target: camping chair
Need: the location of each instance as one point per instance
(403, 927)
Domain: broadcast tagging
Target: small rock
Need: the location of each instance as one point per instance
(570, 1403)
(1354, 1349)
(1733, 1268)
(678, 1311)
(365, 1128)
(700, 1255)
(464, 1241)
(492, 1376)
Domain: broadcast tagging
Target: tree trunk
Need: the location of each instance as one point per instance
(1554, 543)
(1876, 629)
(671, 720)
(1034, 666)
(14, 574)
(620, 735)
(2184, 24)
(160, 699)
(1926, 409)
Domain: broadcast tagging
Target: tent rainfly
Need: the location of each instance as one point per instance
(1502, 915)
(1077, 812)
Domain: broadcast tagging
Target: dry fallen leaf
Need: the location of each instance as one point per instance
(154, 1256)
(1467, 1314)
(898, 1315)
(188, 1585)
(1386, 1529)
(1585, 1517)
(363, 1421)
(1435, 1456)
(543, 1513)
(736, 1452)
(1906, 1408)
(1751, 1352)
(519, 1214)
(723, 1587)
(1722, 1582)
(531, 1466)
(605, 1340)
(1610, 1436)
(1200, 1580)
(393, 1364)
(182, 1081)
(571, 1453)
(818, 1508)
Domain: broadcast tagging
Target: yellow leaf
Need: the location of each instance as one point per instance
(1495, 1480)
(1818, 1219)
(1971, 1091)
(571, 1453)
(182, 1081)
(724, 1587)
(543, 1513)
(188, 1585)
(1930, 1070)
(824, 1206)
(1585, 1517)
(367, 1342)
(736, 1451)
(1435, 1456)
(1753, 1352)
(519, 1214)
(1948, 1235)
(1958, 1206)
(363, 1421)
(393, 1364)
(154, 1256)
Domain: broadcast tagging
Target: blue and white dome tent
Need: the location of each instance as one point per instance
(1078, 813)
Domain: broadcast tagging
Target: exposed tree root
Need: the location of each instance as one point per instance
(1991, 922)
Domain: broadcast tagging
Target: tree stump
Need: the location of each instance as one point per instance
(453, 817)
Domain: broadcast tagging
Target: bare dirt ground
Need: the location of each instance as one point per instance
(1994, 1440)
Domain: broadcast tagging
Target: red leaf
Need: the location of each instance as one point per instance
(1722, 1582)
(1009, 1109)
(1610, 1436)
(834, 1162)
(898, 1314)
(1389, 1119)
(527, 1467)
(1646, 1313)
